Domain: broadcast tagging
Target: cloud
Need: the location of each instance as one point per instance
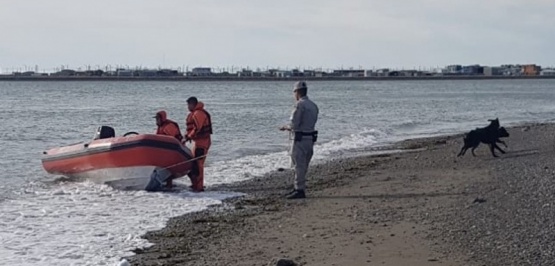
(276, 33)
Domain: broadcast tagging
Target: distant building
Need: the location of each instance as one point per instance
(167, 73)
(296, 73)
(309, 73)
(81, 74)
(283, 74)
(124, 72)
(110, 73)
(97, 72)
(472, 70)
(368, 73)
(319, 74)
(270, 73)
(384, 72)
(24, 74)
(494, 71)
(547, 72)
(249, 73)
(452, 69)
(147, 73)
(410, 73)
(512, 70)
(201, 71)
(64, 73)
(530, 70)
(348, 73)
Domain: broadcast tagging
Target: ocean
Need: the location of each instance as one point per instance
(45, 221)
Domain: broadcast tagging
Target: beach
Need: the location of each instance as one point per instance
(422, 206)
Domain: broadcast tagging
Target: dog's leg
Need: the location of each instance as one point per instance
(497, 147)
(491, 148)
(502, 142)
(473, 148)
(463, 151)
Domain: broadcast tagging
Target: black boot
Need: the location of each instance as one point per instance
(298, 194)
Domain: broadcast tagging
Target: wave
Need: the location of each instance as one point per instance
(257, 165)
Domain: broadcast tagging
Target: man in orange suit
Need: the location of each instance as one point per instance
(199, 129)
(167, 126)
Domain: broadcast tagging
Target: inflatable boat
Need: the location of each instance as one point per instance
(125, 162)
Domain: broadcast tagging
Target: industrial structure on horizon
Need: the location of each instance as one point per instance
(207, 72)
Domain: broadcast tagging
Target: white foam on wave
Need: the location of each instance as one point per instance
(87, 224)
(257, 165)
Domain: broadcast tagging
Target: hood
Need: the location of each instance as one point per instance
(200, 106)
(163, 115)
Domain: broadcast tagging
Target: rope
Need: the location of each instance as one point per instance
(188, 161)
(155, 176)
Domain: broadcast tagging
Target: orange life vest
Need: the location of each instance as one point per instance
(170, 128)
(199, 123)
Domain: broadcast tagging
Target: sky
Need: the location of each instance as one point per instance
(287, 33)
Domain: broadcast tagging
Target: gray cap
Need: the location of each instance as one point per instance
(299, 85)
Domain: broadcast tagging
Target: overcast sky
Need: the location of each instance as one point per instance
(260, 33)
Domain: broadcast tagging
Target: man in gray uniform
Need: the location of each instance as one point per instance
(302, 127)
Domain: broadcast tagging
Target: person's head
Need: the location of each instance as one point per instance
(160, 116)
(300, 89)
(192, 103)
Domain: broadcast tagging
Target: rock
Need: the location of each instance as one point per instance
(164, 256)
(282, 262)
(479, 200)
(441, 142)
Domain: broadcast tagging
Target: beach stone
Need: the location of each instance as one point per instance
(479, 200)
(282, 262)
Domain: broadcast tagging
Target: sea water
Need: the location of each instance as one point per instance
(47, 222)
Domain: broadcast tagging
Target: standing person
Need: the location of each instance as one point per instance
(303, 123)
(199, 129)
(167, 126)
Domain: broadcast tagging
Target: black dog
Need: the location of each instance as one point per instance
(488, 135)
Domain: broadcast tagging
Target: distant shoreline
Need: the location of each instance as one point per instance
(184, 78)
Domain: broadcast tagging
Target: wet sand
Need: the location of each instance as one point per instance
(419, 207)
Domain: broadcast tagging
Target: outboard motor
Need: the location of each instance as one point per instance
(104, 132)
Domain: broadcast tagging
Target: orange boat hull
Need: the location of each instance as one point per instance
(129, 160)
